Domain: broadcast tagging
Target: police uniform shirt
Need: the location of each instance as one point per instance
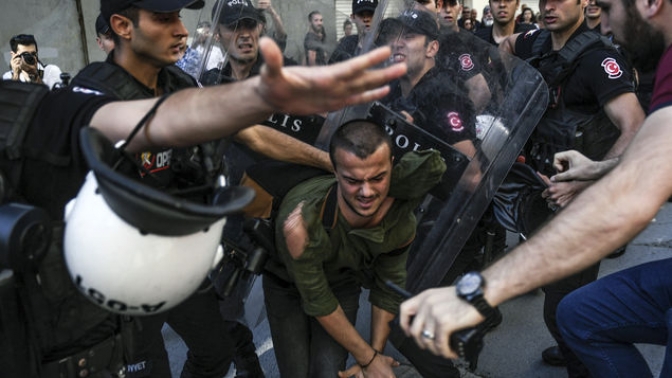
(459, 53)
(442, 109)
(346, 49)
(112, 79)
(600, 74)
(54, 132)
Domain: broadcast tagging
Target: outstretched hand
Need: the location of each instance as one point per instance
(308, 90)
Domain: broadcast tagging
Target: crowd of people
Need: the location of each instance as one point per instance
(230, 107)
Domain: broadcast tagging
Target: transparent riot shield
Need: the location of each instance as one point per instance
(479, 105)
(497, 98)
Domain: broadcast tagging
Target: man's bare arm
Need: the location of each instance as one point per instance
(380, 327)
(479, 92)
(509, 44)
(280, 146)
(311, 58)
(193, 116)
(627, 114)
(605, 216)
(573, 166)
(339, 327)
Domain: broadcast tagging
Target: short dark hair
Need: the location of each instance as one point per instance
(360, 137)
(22, 39)
(311, 14)
(133, 14)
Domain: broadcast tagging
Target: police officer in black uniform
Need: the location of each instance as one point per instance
(48, 328)
(429, 98)
(592, 109)
(282, 137)
(142, 66)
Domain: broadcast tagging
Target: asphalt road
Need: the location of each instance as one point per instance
(513, 350)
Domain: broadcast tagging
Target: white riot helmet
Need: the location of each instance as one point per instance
(133, 249)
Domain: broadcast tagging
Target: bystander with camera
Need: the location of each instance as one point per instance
(26, 66)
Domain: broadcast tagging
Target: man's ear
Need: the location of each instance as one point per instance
(651, 8)
(432, 48)
(121, 26)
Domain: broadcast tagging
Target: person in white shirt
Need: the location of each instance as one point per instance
(26, 66)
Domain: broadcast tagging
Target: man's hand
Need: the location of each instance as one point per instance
(381, 366)
(15, 64)
(310, 90)
(264, 4)
(438, 312)
(572, 165)
(560, 194)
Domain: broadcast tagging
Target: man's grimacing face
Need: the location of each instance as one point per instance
(364, 184)
(240, 39)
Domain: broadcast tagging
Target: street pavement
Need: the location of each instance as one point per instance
(513, 350)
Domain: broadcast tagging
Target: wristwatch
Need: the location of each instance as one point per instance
(470, 288)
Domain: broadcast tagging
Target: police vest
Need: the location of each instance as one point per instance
(187, 164)
(560, 128)
(114, 80)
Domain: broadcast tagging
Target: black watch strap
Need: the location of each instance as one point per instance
(483, 307)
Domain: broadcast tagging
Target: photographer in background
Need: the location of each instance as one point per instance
(26, 66)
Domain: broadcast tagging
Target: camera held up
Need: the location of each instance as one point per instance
(29, 58)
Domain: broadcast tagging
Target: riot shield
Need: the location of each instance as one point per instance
(496, 125)
(493, 127)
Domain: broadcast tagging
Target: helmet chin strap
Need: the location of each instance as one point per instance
(123, 144)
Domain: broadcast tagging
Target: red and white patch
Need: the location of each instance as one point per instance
(455, 122)
(466, 62)
(612, 68)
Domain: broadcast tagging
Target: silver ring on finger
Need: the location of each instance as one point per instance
(427, 334)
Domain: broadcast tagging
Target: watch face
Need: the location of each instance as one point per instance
(469, 283)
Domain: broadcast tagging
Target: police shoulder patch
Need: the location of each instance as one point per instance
(612, 68)
(455, 122)
(466, 63)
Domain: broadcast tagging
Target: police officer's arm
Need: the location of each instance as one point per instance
(280, 146)
(192, 116)
(605, 216)
(627, 114)
(509, 44)
(479, 92)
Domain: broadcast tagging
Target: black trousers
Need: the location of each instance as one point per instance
(200, 324)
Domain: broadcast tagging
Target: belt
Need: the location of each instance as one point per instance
(104, 359)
